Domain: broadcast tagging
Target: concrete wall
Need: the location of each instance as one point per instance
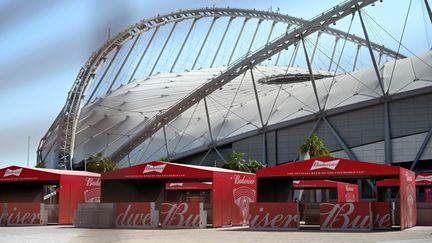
(362, 130)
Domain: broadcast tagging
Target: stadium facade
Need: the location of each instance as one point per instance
(195, 85)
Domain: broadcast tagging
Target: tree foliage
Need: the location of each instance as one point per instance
(314, 146)
(100, 163)
(40, 164)
(238, 162)
(165, 159)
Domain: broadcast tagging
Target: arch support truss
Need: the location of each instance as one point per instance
(64, 127)
(238, 68)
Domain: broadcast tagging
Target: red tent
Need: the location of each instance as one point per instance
(422, 180)
(50, 195)
(424, 185)
(424, 195)
(274, 185)
(329, 167)
(224, 194)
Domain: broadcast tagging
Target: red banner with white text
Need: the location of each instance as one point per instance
(92, 189)
(183, 215)
(381, 214)
(424, 179)
(408, 209)
(347, 216)
(347, 192)
(136, 215)
(277, 216)
(23, 214)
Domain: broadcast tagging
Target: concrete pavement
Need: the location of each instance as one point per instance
(60, 234)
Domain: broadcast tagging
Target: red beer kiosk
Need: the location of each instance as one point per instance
(312, 192)
(275, 208)
(424, 195)
(32, 196)
(178, 195)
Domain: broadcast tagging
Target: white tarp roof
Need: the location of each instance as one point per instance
(108, 122)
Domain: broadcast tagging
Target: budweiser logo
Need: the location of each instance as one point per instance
(277, 221)
(320, 165)
(243, 196)
(381, 213)
(92, 195)
(90, 182)
(176, 184)
(382, 221)
(10, 172)
(180, 215)
(156, 168)
(408, 177)
(349, 189)
(243, 180)
(424, 178)
(133, 217)
(276, 216)
(344, 216)
(20, 216)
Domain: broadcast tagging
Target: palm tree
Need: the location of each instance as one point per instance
(100, 163)
(165, 159)
(314, 147)
(40, 164)
(238, 162)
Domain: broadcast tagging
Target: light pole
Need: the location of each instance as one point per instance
(28, 151)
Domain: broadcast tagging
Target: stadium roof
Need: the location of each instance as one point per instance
(109, 121)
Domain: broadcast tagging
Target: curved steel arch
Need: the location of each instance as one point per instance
(66, 121)
(239, 67)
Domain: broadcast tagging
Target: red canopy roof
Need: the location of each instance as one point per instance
(422, 179)
(19, 173)
(315, 184)
(329, 167)
(164, 170)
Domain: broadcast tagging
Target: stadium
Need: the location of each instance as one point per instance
(196, 85)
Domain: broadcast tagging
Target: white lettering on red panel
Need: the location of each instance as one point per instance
(382, 221)
(128, 218)
(90, 181)
(156, 168)
(21, 216)
(270, 220)
(424, 178)
(176, 184)
(381, 214)
(92, 195)
(328, 165)
(178, 214)
(10, 172)
(342, 216)
(243, 180)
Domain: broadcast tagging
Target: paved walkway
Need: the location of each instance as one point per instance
(59, 234)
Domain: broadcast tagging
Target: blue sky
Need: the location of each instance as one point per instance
(44, 43)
